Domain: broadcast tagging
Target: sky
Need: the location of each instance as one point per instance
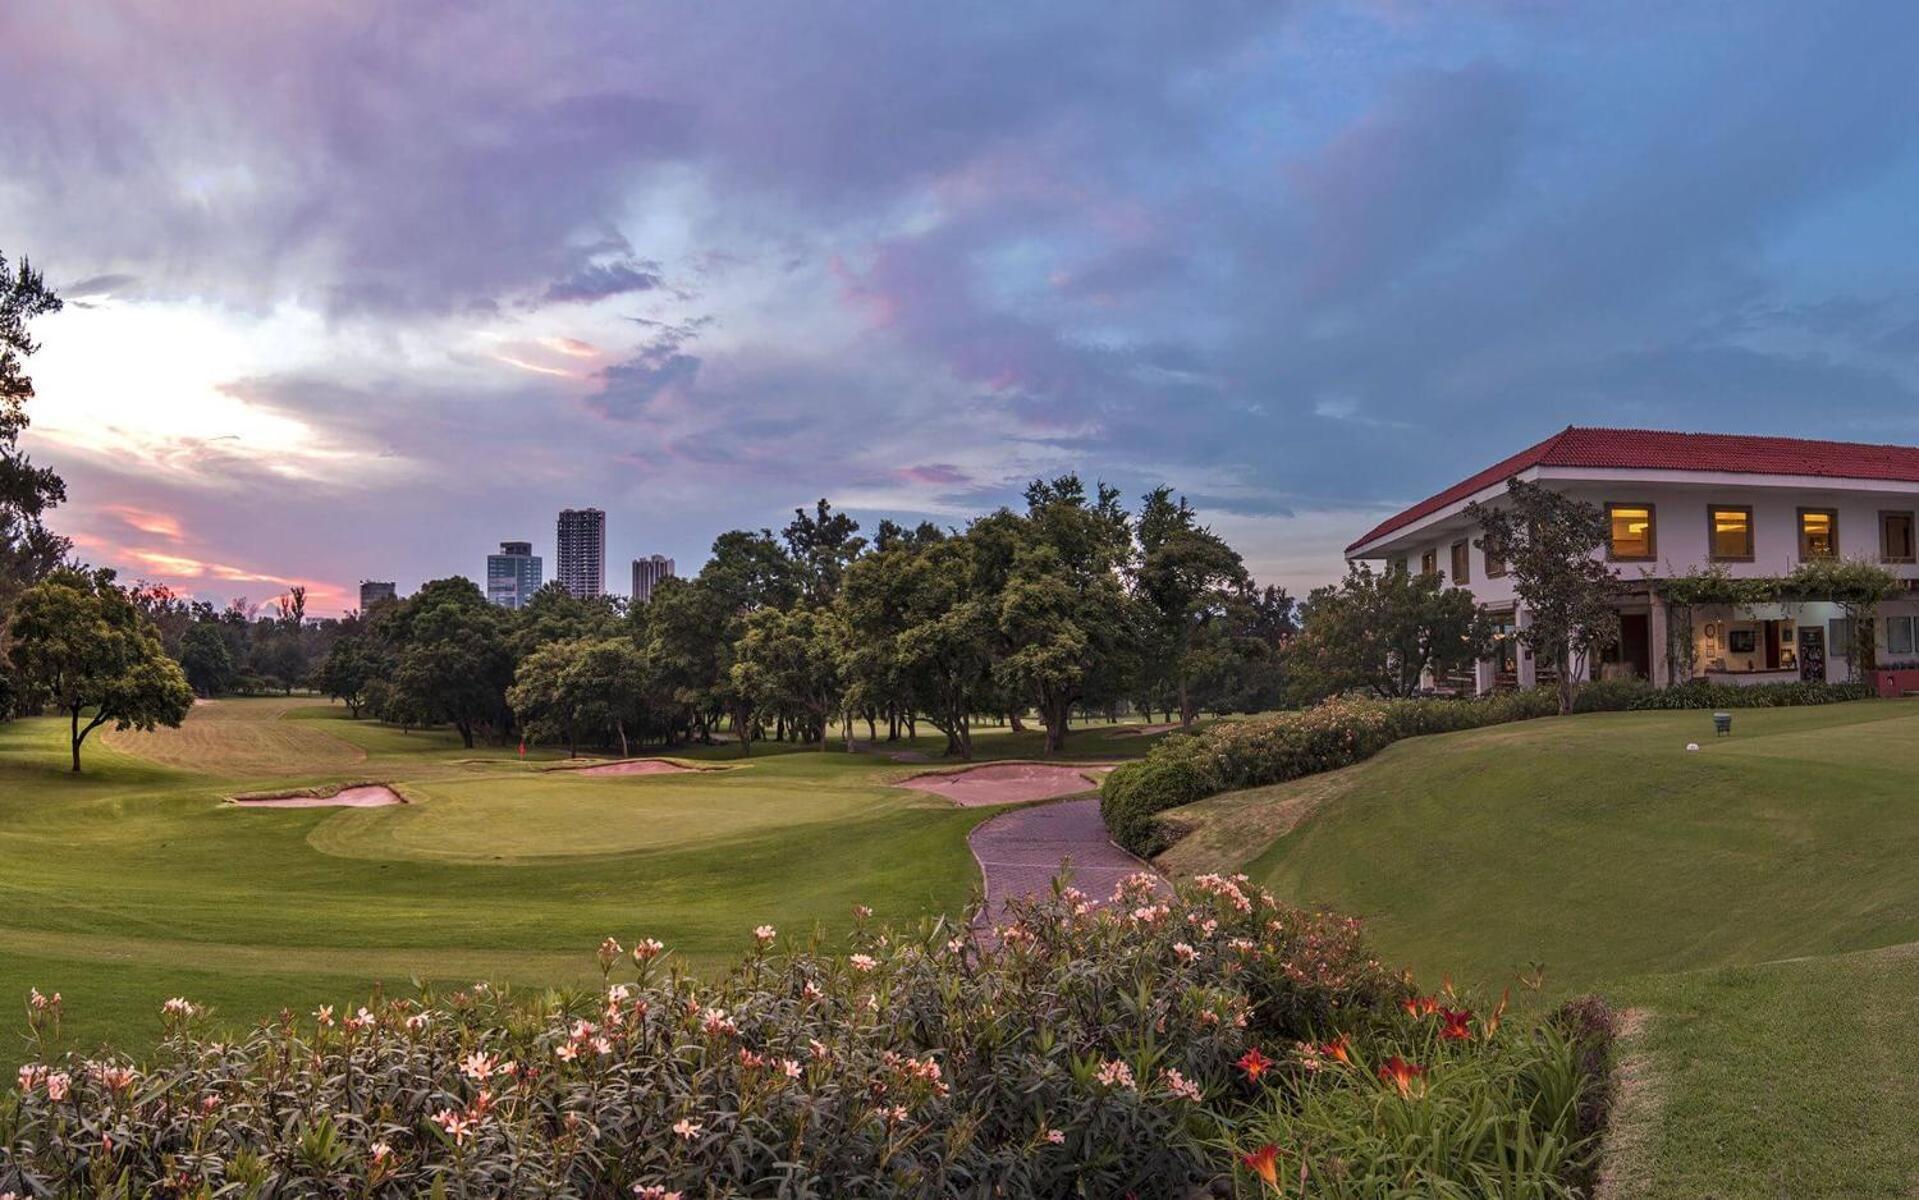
(360, 289)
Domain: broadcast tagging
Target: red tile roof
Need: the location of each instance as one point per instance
(1664, 450)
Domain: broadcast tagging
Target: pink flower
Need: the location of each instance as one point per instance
(791, 1067)
(324, 1014)
(609, 951)
(653, 1191)
(765, 934)
(1114, 1073)
(863, 962)
(568, 1051)
(687, 1129)
(381, 1151)
(31, 1075)
(861, 912)
(1185, 952)
(601, 1046)
(1180, 1086)
(1056, 1137)
(477, 1066)
(179, 1006)
(647, 949)
(58, 1084)
(456, 1124)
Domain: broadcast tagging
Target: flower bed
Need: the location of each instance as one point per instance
(1141, 1047)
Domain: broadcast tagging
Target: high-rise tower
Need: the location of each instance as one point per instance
(582, 543)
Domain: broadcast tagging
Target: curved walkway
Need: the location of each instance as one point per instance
(1020, 851)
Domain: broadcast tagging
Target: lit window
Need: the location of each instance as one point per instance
(1895, 537)
(1900, 635)
(1462, 567)
(1429, 563)
(1839, 637)
(1818, 533)
(1731, 528)
(1632, 530)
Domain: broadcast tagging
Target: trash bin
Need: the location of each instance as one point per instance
(1722, 723)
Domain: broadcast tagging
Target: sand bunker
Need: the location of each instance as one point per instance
(1133, 731)
(1007, 783)
(371, 795)
(638, 766)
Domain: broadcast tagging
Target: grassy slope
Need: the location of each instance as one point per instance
(1599, 846)
(133, 881)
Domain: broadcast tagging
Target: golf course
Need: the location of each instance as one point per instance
(1752, 905)
(139, 879)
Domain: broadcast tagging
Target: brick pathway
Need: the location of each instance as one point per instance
(1020, 851)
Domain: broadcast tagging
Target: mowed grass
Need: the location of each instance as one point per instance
(135, 880)
(1741, 896)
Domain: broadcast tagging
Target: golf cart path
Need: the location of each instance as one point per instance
(1020, 851)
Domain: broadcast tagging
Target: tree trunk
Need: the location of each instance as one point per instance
(1185, 705)
(466, 733)
(1014, 723)
(77, 735)
(621, 726)
(893, 725)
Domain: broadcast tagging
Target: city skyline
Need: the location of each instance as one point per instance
(448, 266)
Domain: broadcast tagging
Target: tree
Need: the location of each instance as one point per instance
(453, 663)
(1550, 543)
(205, 660)
(821, 545)
(590, 688)
(28, 549)
(81, 644)
(1186, 576)
(1065, 624)
(788, 662)
(922, 633)
(348, 670)
(1383, 633)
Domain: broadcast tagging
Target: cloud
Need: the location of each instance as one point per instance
(598, 281)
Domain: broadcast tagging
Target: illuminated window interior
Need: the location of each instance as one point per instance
(1731, 532)
(1632, 530)
(1818, 533)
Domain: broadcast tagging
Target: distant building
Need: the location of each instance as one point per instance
(373, 591)
(647, 573)
(512, 575)
(582, 543)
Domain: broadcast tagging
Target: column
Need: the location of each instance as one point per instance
(1657, 632)
(1484, 672)
(1528, 672)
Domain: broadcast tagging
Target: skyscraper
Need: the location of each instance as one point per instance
(373, 591)
(647, 572)
(512, 575)
(582, 544)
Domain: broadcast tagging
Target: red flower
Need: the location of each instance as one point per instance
(1264, 1162)
(1456, 1024)
(1420, 1006)
(1254, 1063)
(1339, 1050)
(1409, 1078)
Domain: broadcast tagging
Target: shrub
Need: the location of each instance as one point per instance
(1611, 695)
(1699, 693)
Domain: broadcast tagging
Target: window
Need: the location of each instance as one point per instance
(1895, 537)
(1818, 533)
(1495, 566)
(1462, 566)
(1901, 635)
(1839, 637)
(1729, 532)
(1632, 531)
(1429, 563)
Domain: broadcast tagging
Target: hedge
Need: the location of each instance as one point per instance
(1082, 1050)
(1272, 749)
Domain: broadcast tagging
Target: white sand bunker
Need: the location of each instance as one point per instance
(637, 766)
(1007, 783)
(367, 795)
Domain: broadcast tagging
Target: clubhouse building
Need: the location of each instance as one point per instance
(1680, 502)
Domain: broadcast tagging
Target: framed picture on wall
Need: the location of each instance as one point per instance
(1742, 641)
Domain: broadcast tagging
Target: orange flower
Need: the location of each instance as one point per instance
(1254, 1063)
(1264, 1162)
(1420, 1006)
(1409, 1078)
(1490, 1025)
(1456, 1024)
(1339, 1050)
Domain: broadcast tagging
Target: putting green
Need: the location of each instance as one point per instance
(546, 815)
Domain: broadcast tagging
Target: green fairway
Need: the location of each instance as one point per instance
(1671, 881)
(135, 880)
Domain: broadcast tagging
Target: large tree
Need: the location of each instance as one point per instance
(1551, 544)
(453, 661)
(822, 543)
(349, 670)
(28, 549)
(1063, 619)
(81, 645)
(205, 659)
(788, 663)
(1384, 633)
(1186, 576)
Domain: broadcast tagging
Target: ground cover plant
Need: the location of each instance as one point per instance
(1140, 1048)
(1749, 906)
